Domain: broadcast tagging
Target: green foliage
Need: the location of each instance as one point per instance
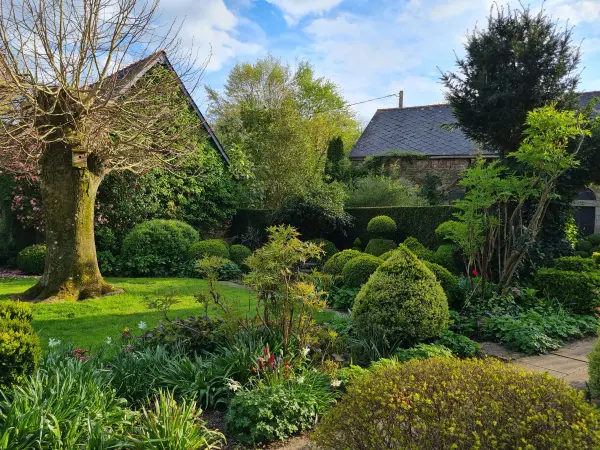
(594, 370)
(357, 244)
(20, 347)
(381, 226)
(575, 263)
(31, 259)
(536, 331)
(342, 298)
(385, 256)
(449, 283)
(419, 249)
(375, 190)
(229, 271)
(165, 424)
(582, 254)
(402, 302)
(108, 263)
(423, 351)
(328, 247)
(158, 248)
(316, 211)
(335, 264)
(577, 291)
(594, 239)
(583, 245)
(276, 412)
(357, 271)
(21, 311)
(209, 247)
(458, 344)
(431, 190)
(379, 246)
(444, 256)
(451, 403)
(337, 167)
(239, 253)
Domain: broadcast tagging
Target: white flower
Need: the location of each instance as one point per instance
(142, 325)
(53, 343)
(300, 380)
(305, 351)
(108, 340)
(336, 383)
(233, 385)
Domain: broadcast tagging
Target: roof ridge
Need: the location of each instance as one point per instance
(415, 107)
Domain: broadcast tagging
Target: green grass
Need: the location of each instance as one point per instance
(88, 323)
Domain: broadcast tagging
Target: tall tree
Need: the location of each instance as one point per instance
(522, 61)
(73, 111)
(282, 120)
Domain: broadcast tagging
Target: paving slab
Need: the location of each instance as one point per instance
(578, 349)
(552, 362)
(499, 351)
(578, 379)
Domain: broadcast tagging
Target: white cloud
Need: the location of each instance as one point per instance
(294, 10)
(585, 11)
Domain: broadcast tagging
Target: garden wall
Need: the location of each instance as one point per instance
(419, 222)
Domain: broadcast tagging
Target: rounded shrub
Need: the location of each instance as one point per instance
(575, 263)
(582, 254)
(20, 347)
(444, 256)
(158, 248)
(381, 226)
(209, 247)
(419, 249)
(385, 256)
(444, 403)
(594, 370)
(402, 302)
(229, 271)
(578, 291)
(328, 248)
(335, 264)
(379, 246)
(594, 239)
(238, 253)
(31, 259)
(357, 244)
(357, 271)
(583, 245)
(449, 284)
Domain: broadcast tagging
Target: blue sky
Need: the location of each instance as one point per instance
(370, 48)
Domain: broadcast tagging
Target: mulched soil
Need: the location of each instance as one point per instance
(5, 272)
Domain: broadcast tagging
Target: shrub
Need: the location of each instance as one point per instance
(229, 271)
(458, 344)
(357, 271)
(209, 247)
(594, 370)
(195, 334)
(422, 351)
(582, 254)
(594, 239)
(595, 250)
(575, 290)
(328, 247)
(444, 256)
(165, 424)
(449, 283)
(385, 256)
(442, 403)
(239, 253)
(401, 302)
(20, 351)
(158, 248)
(16, 311)
(376, 190)
(107, 262)
(268, 413)
(575, 264)
(381, 226)
(335, 264)
(342, 298)
(379, 246)
(583, 245)
(31, 259)
(357, 244)
(419, 249)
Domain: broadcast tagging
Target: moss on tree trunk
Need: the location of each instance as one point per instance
(69, 195)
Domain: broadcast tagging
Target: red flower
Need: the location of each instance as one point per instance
(475, 273)
(135, 186)
(485, 275)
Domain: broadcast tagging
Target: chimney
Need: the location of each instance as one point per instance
(401, 99)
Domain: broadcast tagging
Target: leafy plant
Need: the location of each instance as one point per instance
(239, 253)
(342, 298)
(379, 246)
(357, 271)
(422, 351)
(377, 190)
(31, 259)
(209, 247)
(335, 264)
(381, 226)
(458, 344)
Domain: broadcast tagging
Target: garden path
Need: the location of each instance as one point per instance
(569, 363)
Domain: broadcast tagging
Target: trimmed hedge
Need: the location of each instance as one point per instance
(357, 271)
(594, 370)
(209, 247)
(379, 246)
(579, 291)
(239, 253)
(31, 259)
(335, 264)
(381, 226)
(449, 283)
(419, 249)
(575, 264)
(584, 245)
(594, 239)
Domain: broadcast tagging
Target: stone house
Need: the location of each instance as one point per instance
(416, 141)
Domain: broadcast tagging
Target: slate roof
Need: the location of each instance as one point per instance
(419, 129)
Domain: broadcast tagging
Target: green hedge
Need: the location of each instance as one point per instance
(579, 291)
(417, 221)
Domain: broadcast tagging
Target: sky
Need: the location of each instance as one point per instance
(369, 48)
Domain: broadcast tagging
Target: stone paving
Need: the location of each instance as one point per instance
(569, 363)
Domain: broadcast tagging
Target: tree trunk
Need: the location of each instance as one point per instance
(69, 195)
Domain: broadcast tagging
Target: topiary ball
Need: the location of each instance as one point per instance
(239, 253)
(402, 302)
(328, 247)
(357, 244)
(335, 264)
(449, 284)
(379, 246)
(594, 370)
(582, 254)
(31, 259)
(419, 249)
(357, 271)
(381, 226)
(584, 245)
(444, 256)
(594, 239)
(446, 403)
(209, 247)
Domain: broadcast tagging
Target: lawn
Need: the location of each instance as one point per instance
(88, 323)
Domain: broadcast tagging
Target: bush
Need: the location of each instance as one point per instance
(458, 344)
(229, 271)
(335, 264)
(595, 250)
(444, 256)
(422, 351)
(158, 248)
(379, 246)
(195, 334)
(16, 311)
(357, 271)
(357, 244)
(419, 249)
(31, 259)
(583, 245)
(239, 253)
(20, 351)
(594, 239)
(342, 298)
(449, 283)
(381, 226)
(376, 190)
(402, 302)
(594, 370)
(268, 413)
(575, 290)
(328, 247)
(385, 256)
(209, 247)
(443, 403)
(582, 254)
(107, 262)
(575, 264)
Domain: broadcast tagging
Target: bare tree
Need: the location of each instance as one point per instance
(74, 106)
